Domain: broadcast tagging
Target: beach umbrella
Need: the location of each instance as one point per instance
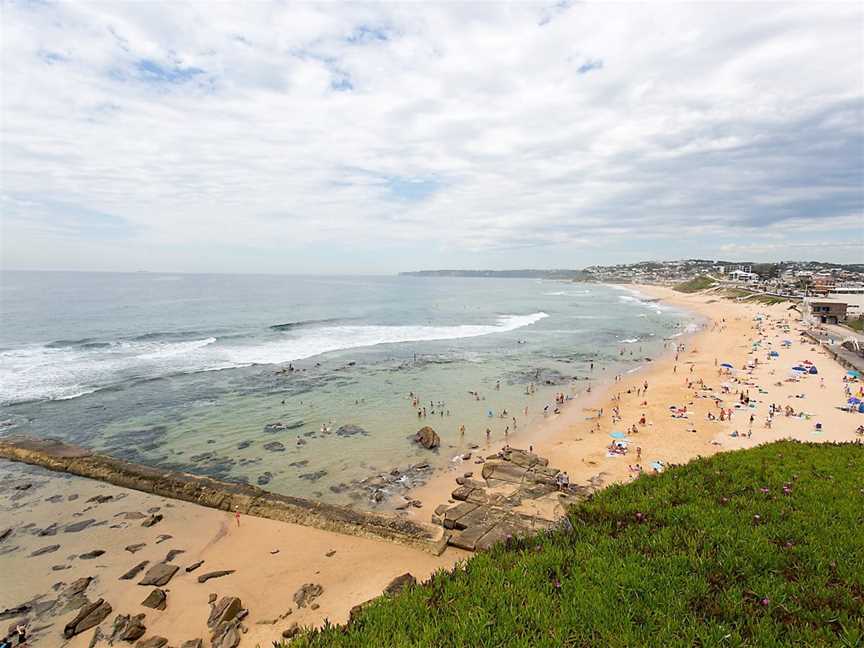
(618, 435)
(854, 374)
(799, 369)
(807, 362)
(854, 401)
(774, 354)
(813, 371)
(726, 365)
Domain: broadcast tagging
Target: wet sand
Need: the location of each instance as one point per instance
(360, 568)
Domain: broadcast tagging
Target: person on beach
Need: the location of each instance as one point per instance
(488, 434)
(462, 430)
(237, 517)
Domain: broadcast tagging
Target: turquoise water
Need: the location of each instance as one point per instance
(192, 371)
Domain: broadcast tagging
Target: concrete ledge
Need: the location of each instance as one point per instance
(205, 491)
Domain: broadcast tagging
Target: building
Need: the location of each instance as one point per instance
(743, 275)
(825, 311)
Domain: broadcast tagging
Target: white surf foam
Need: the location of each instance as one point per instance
(339, 338)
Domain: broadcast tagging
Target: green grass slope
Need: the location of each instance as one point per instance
(762, 547)
(695, 285)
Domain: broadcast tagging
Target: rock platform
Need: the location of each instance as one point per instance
(518, 496)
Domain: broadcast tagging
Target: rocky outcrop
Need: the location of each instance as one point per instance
(88, 616)
(224, 621)
(213, 493)
(427, 437)
(152, 642)
(482, 518)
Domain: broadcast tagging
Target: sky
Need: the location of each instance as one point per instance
(375, 138)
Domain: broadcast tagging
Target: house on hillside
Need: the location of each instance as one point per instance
(825, 311)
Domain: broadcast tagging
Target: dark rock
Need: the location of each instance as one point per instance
(211, 599)
(225, 610)
(24, 487)
(203, 578)
(78, 526)
(159, 574)
(155, 599)
(54, 499)
(154, 509)
(162, 538)
(315, 476)
(127, 628)
(427, 437)
(87, 617)
(72, 497)
(60, 567)
(399, 583)
(152, 642)
(351, 430)
(45, 550)
(330, 553)
(17, 611)
(90, 555)
(292, 631)
(299, 464)
(192, 643)
(100, 499)
(243, 445)
(5, 534)
(50, 530)
(314, 606)
(132, 573)
(136, 547)
(152, 520)
(194, 566)
(307, 594)
(274, 446)
(265, 478)
(171, 555)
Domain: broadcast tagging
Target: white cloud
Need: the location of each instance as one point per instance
(431, 132)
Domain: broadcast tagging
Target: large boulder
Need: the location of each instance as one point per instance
(157, 599)
(159, 574)
(226, 609)
(88, 616)
(427, 437)
(128, 628)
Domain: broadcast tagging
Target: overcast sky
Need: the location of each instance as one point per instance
(291, 137)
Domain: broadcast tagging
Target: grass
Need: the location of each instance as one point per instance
(695, 285)
(761, 547)
(856, 324)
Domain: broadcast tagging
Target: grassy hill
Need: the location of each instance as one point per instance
(696, 284)
(762, 547)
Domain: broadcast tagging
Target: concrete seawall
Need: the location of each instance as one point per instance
(205, 491)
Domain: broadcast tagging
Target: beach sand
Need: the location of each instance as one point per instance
(360, 568)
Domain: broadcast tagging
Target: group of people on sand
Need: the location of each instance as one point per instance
(17, 637)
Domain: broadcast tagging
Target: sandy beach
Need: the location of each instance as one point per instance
(272, 560)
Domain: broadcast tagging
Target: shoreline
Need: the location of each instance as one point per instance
(354, 569)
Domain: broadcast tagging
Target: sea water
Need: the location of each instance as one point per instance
(193, 372)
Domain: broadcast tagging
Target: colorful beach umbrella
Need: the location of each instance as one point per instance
(853, 373)
(726, 365)
(618, 435)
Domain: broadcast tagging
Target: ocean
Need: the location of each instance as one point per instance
(194, 372)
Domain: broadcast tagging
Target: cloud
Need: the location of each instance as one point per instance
(439, 134)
